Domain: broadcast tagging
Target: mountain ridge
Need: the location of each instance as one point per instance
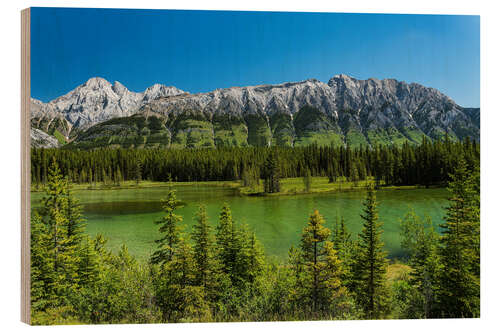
(349, 111)
(92, 102)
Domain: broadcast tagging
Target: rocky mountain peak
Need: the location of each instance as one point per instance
(159, 90)
(119, 88)
(340, 78)
(97, 82)
(97, 100)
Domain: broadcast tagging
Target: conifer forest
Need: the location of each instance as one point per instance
(218, 270)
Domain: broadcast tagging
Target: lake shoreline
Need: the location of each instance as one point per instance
(290, 186)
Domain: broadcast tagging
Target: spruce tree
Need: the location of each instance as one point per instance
(202, 244)
(320, 284)
(224, 239)
(88, 265)
(354, 174)
(332, 172)
(138, 171)
(371, 261)
(118, 177)
(58, 259)
(62, 250)
(56, 193)
(341, 238)
(419, 238)
(178, 295)
(459, 287)
(76, 223)
(296, 268)
(42, 275)
(239, 253)
(235, 263)
(250, 256)
(256, 257)
(307, 181)
(344, 246)
(204, 251)
(190, 297)
(272, 173)
(169, 230)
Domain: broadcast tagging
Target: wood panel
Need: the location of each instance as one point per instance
(25, 166)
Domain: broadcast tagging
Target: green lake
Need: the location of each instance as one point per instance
(127, 216)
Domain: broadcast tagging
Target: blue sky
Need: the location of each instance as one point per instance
(199, 51)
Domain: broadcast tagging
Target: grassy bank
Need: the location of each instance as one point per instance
(293, 186)
(132, 184)
(289, 186)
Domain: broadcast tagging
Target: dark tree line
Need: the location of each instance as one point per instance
(425, 164)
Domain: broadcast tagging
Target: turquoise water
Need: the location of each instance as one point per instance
(127, 216)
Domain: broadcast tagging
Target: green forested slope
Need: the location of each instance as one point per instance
(196, 130)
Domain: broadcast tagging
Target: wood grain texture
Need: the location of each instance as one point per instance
(25, 166)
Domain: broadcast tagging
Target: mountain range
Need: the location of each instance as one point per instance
(343, 111)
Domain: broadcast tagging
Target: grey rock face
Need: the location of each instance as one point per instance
(390, 103)
(40, 139)
(95, 101)
(264, 100)
(361, 105)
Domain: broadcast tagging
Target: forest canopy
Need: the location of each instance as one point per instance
(429, 163)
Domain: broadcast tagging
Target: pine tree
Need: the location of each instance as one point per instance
(76, 223)
(377, 166)
(332, 172)
(177, 294)
(206, 266)
(272, 173)
(169, 230)
(295, 265)
(224, 239)
(475, 181)
(118, 177)
(459, 288)
(371, 261)
(62, 250)
(354, 174)
(42, 278)
(250, 256)
(320, 284)
(234, 263)
(104, 177)
(307, 181)
(344, 246)
(419, 238)
(56, 193)
(59, 264)
(138, 171)
(65, 257)
(239, 253)
(341, 238)
(88, 265)
(256, 257)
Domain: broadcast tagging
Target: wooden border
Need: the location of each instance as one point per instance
(25, 166)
